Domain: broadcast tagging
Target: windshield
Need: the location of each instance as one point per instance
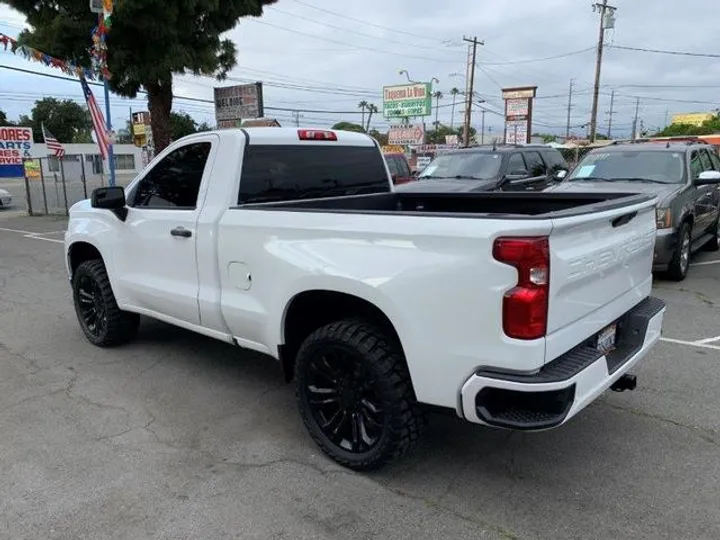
(631, 165)
(468, 166)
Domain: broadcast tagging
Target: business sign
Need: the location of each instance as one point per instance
(16, 144)
(407, 100)
(694, 119)
(239, 102)
(401, 135)
(525, 92)
(516, 132)
(518, 113)
(452, 139)
(518, 108)
(392, 149)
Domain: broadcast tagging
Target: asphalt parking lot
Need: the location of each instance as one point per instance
(179, 436)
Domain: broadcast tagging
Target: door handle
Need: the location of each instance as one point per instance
(181, 232)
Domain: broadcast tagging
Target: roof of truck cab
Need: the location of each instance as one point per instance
(290, 136)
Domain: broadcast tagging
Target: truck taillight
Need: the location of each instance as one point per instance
(525, 307)
(316, 135)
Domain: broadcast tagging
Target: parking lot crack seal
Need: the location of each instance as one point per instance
(704, 433)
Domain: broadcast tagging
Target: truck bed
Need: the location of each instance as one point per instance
(495, 205)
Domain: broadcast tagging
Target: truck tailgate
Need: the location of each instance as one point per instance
(597, 259)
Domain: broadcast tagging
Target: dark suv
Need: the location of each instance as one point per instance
(490, 168)
(685, 177)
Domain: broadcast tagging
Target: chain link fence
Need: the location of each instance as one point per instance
(53, 185)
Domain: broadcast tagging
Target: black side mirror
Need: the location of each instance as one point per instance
(110, 198)
(518, 174)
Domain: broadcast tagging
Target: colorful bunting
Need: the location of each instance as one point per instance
(69, 68)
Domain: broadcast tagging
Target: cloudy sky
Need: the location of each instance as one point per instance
(315, 57)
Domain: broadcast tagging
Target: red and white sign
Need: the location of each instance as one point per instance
(518, 107)
(402, 135)
(16, 144)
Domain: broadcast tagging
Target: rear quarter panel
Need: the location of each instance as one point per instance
(434, 278)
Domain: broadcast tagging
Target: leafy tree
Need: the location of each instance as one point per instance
(65, 119)
(454, 93)
(150, 40)
(381, 138)
(204, 127)
(549, 137)
(181, 124)
(4, 119)
(363, 105)
(437, 136)
(349, 126)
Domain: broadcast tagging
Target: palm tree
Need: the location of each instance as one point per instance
(372, 108)
(438, 96)
(454, 93)
(363, 105)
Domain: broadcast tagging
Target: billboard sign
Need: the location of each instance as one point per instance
(241, 102)
(518, 113)
(694, 119)
(402, 135)
(407, 100)
(16, 144)
(516, 132)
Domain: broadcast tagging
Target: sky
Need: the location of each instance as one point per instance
(322, 60)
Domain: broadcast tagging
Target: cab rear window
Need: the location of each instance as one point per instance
(272, 173)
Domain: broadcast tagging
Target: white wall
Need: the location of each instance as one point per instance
(90, 156)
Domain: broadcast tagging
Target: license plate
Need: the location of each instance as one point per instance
(606, 339)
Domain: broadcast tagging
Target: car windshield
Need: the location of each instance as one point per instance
(631, 165)
(465, 166)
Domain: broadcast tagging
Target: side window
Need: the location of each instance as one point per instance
(516, 163)
(535, 164)
(715, 160)
(403, 168)
(705, 160)
(696, 166)
(393, 165)
(555, 161)
(175, 181)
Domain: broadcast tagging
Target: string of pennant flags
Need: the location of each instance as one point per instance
(98, 70)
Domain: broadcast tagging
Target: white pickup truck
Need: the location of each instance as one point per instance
(513, 310)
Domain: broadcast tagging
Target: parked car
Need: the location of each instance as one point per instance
(399, 168)
(5, 198)
(684, 176)
(490, 168)
(502, 308)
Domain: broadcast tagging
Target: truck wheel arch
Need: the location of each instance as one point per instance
(309, 310)
(79, 252)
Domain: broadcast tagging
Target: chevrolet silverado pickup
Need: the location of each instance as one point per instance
(512, 310)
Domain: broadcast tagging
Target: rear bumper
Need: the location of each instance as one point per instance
(665, 244)
(565, 386)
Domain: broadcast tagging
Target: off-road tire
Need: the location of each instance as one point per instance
(385, 371)
(678, 267)
(120, 326)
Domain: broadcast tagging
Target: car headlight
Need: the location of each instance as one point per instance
(663, 217)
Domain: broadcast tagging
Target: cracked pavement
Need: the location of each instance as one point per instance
(177, 436)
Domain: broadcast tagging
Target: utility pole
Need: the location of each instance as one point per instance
(610, 114)
(637, 110)
(567, 129)
(607, 14)
(482, 129)
(470, 89)
(296, 118)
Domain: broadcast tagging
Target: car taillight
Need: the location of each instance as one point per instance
(525, 307)
(316, 135)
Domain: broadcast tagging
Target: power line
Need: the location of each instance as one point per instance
(393, 30)
(659, 51)
(532, 60)
(272, 8)
(361, 47)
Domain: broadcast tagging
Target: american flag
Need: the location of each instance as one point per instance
(53, 145)
(97, 119)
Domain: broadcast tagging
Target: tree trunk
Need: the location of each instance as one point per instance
(369, 120)
(160, 98)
